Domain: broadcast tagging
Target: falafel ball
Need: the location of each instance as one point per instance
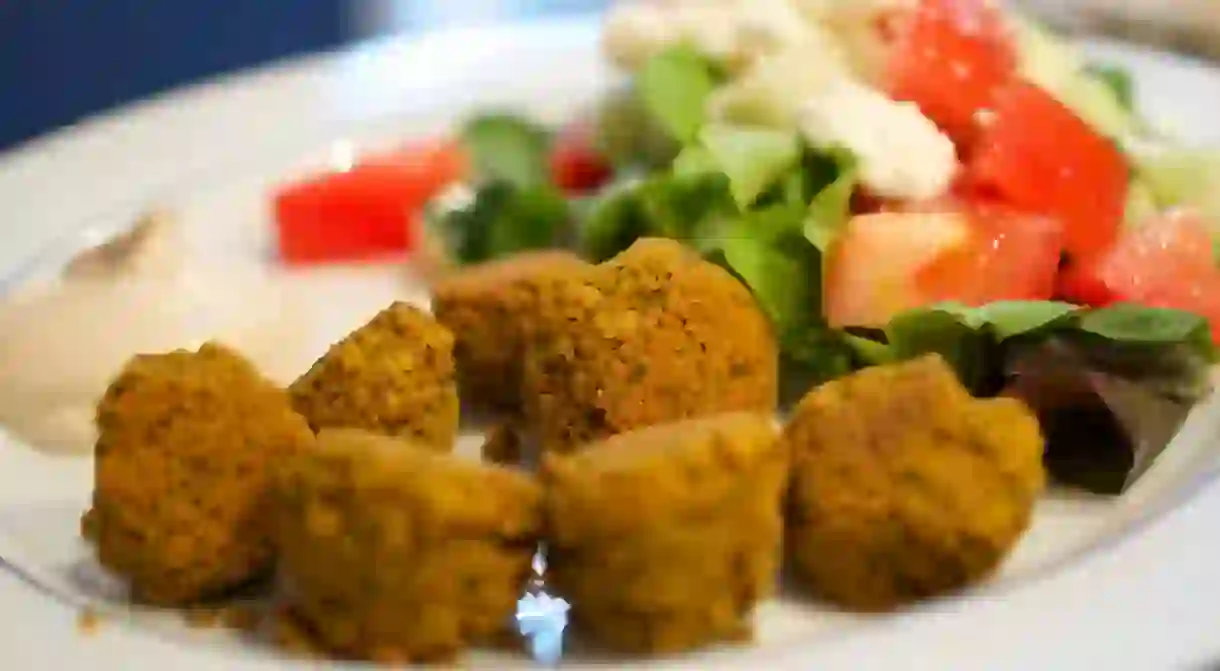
(491, 308)
(186, 445)
(904, 486)
(664, 538)
(393, 553)
(658, 334)
(394, 376)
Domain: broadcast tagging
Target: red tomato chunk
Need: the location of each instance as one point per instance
(365, 212)
(1167, 262)
(950, 59)
(1038, 156)
(576, 165)
(1010, 256)
(972, 253)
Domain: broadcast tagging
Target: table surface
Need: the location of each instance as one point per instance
(62, 61)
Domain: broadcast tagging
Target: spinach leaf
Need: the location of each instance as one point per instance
(971, 338)
(924, 331)
(612, 222)
(1139, 325)
(1009, 319)
(504, 219)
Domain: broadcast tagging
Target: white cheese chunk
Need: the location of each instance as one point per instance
(902, 154)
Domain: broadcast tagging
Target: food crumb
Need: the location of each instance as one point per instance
(237, 617)
(202, 618)
(293, 637)
(88, 621)
(503, 446)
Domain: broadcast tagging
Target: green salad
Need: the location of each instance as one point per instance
(875, 213)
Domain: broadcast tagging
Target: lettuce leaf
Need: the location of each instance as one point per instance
(502, 219)
(629, 135)
(752, 158)
(507, 148)
(1118, 79)
(830, 207)
(674, 87)
(666, 205)
(973, 339)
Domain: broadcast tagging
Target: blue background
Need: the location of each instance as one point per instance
(61, 60)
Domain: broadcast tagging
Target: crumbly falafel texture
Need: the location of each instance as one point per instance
(492, 310)
(655, 334)
(186, 445)
(664, 538)
(904, 486)
(393, 553)
(394, 376)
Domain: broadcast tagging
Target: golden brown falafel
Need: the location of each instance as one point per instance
(490, 309)
(664, 538)
(393, 553)
(186, 445)
(904, 486)
(657, 334)
(393, 376)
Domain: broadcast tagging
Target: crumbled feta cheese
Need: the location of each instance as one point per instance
(731, 31)
(740, 32)
(773, 89)
(714, 28)
(901, 152)
(772, 25)
(857, 26)
(821, 10)
(634, 31)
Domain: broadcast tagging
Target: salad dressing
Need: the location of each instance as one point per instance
(62, 342)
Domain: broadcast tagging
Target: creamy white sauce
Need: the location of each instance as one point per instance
(61, 344)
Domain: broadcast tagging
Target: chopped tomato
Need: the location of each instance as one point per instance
(576, 165)
(973, 254)
(1167, 262)
(872, 266)
(1038, 156)
(1011, 256)
(949, 58)
(366, 211)
(1081, 285)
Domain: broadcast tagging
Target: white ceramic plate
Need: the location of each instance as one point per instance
(1123, 582)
